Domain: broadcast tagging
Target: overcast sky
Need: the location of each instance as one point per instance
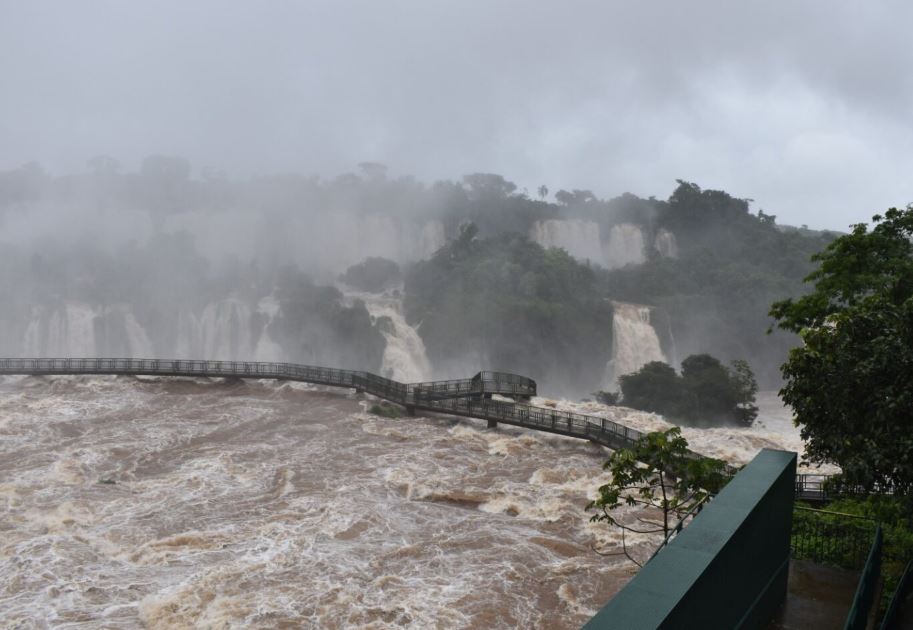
(806, 107)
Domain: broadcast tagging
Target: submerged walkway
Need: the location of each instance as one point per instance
(470, 397)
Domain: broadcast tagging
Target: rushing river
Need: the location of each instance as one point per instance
(177, 503)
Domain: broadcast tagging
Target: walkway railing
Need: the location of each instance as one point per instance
(833, 538)
(463, 397)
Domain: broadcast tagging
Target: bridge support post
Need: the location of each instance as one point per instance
(410, 410)
(492, 424)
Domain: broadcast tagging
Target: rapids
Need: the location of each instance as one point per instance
(198, 503)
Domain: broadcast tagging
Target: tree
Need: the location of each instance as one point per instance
(575, 197)
(488, 186)
(543, 192)
(707, 392)
(662, 476)
(850, 383)
(655, 387)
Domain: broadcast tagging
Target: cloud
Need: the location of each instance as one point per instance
(803, 107)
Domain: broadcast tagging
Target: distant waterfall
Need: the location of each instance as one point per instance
(77, 329)
(665, 244)
(226, 330)
(404, 357)
(625, 246)
(267, 349)
(189, 343)
(634, 341)
(580, 238)
(432, 238)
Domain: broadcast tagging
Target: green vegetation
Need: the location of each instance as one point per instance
(315, 323)
(842, 534)
(732, 265)
(706, 393)
(385, 410)
(372, 275)
(851, 382)
(506, 303)
(607, 398)
(659, 474)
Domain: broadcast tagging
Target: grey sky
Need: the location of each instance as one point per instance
(806, 107)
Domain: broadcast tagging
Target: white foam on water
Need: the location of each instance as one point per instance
(202, 503)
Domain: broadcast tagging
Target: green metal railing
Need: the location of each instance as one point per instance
(868, 585)
(890, 620)
(832, 538)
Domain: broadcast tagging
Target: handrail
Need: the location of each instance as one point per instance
(900, 593)
(858, 617)
(834, 538)
(462, 397)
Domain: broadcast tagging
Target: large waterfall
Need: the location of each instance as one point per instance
(580, 238)
(634, 341)
(267, 349)
(226, 330)
(388, 237)
(625, 246)
(404, 357)
(76, 329)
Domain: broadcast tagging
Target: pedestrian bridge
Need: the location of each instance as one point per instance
(470, 397)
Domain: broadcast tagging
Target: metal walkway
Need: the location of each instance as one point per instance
(466, 397)
(469, 397)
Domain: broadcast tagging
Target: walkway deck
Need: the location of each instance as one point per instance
(470, 397)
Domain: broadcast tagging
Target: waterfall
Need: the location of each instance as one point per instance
(76, 329)
(68, 331)
(665, 244)
(189, 344)
(267, 349)
(625, 246)
(226, 330)
(634, 341)
(580, 238)
(121, 334)
(431, 239)
(404, 357)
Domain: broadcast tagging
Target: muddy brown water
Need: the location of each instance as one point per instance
(177, 503)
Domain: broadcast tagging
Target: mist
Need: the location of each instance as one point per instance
(805, 111)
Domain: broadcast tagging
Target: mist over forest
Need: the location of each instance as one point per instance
(162, 262)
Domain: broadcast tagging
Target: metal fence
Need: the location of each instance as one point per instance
(464, 397)
(833, 538)
(864, 599)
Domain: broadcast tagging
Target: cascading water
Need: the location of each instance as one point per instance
(580, 238)
(431, 239)
(634, 341)
(77, 329)
(267, 349)
(625, 246)
(404, 357)
(226, 329)
(189, 343)
(665, 244)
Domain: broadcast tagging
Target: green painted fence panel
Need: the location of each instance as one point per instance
(727, 569)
